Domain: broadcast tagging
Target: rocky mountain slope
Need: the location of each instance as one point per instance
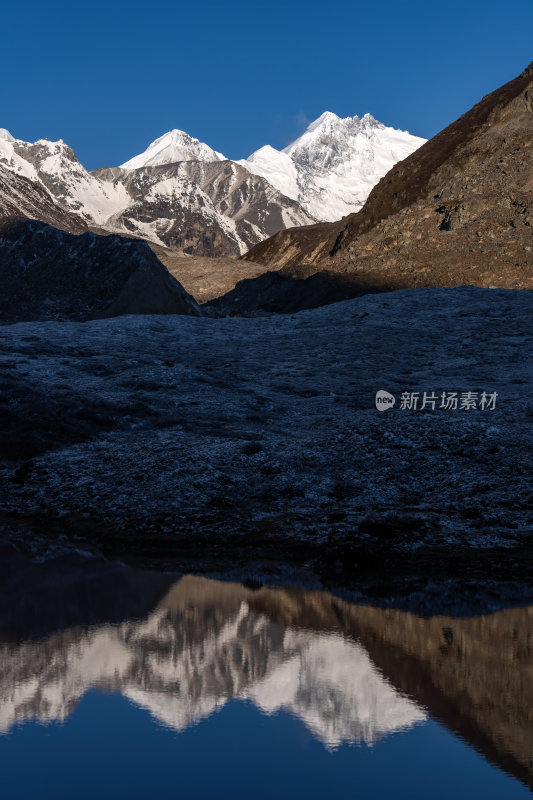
(47, 273)
(180, 195)
(200, 207)
(331, 169)
(457, 211)
(22, 197)
(54, 167)
(183, 195)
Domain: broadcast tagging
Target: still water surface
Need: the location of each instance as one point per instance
(125, 684)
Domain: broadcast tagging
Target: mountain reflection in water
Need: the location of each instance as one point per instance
(204, 643)
(349, 673)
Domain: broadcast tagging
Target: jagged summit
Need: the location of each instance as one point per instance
(329, 121)
(182, 194)
(327, 116)
(55, 168)
(173, 147)
(332, 167)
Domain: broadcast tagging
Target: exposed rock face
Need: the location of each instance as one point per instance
(198, 202)
(20, 196)
(459, 210)
(50, 274)
(54, 167)
(203, 208)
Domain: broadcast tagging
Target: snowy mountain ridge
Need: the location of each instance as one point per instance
(181, 193)
(331, 169)
(54, 166)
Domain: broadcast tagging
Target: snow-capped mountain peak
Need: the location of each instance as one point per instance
(13, 159)
(55, 167)
(325, 118)
(173, 147)
(182, 194)
(332, 167)
(199, 201)
(336, 132)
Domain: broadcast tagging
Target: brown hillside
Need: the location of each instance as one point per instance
(458, 210)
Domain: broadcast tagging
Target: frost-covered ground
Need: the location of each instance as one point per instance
(177, 429)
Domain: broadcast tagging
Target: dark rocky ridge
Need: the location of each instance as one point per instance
(458, 211)
(276, 292)
(50, 274)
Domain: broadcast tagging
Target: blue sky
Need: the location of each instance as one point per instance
(109, 77)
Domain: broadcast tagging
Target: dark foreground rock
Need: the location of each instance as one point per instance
(274, 292)
(50, 274)
(228, 441)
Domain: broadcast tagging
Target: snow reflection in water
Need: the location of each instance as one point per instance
(183, 663)
(348, 674)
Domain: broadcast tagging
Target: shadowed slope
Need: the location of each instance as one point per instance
(50, 274)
